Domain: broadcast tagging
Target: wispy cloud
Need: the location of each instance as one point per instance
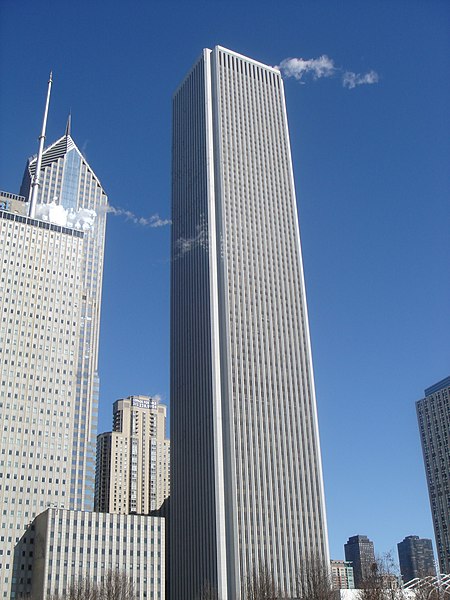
(84, 148)
(185, 245)
(324, 66)
(152, 221)
(298, 67)
(351, 80)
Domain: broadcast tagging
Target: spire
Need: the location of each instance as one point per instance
(69, 124)
(36, 179)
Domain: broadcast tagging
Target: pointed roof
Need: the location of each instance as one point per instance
(69, 124)
(57, 150)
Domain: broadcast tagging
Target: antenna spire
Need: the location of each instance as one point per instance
(69, 124)
(35, 184)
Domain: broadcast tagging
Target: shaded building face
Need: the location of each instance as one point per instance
(433, 415)
(416, 558)
(359, 551)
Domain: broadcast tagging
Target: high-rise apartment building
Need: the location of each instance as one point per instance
(416, 558)
(360, 553)
(50, 292)
(133, 460)
(433, 415)
(247, 490)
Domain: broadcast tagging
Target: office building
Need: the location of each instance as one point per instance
(13, 203)
(246, 486)
(64, 547)
(416, 558)
(359, 551)
(133, 460)
(50, 293)
(342, 575)
(433, 415)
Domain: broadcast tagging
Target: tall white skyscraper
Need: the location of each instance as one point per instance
(50, 292)
(246, 489)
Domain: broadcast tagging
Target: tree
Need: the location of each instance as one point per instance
(116, 586)
(313, 581)
(430, 588)
(79, 590)
(383, 581)
(261, 586)
(208, 592)
(426, 592)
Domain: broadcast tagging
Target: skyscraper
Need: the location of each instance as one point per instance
(133, 460)
(246, 488)
(359, 551)
(433, 415)
(51, 273)
(416, 558)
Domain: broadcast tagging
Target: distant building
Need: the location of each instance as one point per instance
(133, 460)
(360, 552)
(416, 558)
(62, 547)
(342, 575)
(433, 415)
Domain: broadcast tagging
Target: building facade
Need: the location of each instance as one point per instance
(133, 460)
(13, 203)
(360, 553)
(247, 490)
(65, 547)
(342, 575)
(416, 558)
(433, 415)
(71, 195)
(50, 294)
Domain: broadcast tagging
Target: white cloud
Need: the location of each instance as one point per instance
(185, 245)
(351, 80)
(82, 219)
(297, 67)
(324, 66)
(152, 221)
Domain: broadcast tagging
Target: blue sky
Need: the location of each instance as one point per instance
(371, 168)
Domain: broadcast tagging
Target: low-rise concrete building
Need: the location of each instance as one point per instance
(62, 547)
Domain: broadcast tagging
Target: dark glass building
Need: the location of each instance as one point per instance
(416, 558)
(433, 415)
(360, 552)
